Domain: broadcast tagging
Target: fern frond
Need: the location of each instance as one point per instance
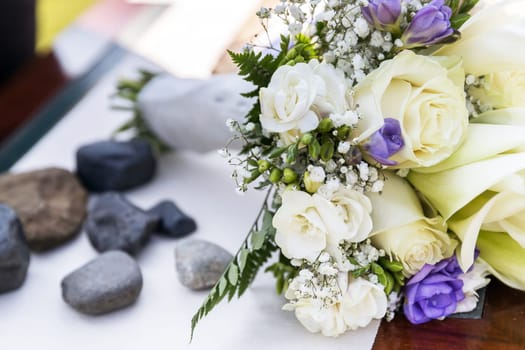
(254, 252)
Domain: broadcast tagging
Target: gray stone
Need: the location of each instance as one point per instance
(200, 264)
(110, 282)
(115, 165)
(191, 113)
(113, 223)
(172, 221)
(14, 252)
(51, 205)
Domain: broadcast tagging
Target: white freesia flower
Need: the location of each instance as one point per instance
(363, 302)
(402, 230)
(299, 96)
(301, 233)
(335, 98)
(472, 281)
(426, 95)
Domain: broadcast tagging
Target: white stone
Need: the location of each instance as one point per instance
(191, 114)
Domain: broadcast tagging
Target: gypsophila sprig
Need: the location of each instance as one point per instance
(370, 127)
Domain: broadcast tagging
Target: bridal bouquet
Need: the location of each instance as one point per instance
(390, 137)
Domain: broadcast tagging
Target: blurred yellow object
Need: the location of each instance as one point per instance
(55, 15)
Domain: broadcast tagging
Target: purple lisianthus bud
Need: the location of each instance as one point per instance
(429, 26)
(385, 142)
(434, 292)
(383, 14)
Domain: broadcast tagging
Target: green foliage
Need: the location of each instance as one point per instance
(255, 251)
(128, 91)
(284, 272)
(460, 11)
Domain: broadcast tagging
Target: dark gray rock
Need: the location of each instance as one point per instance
(115, 166)
(113, 223)
(200, 264)
(51, 205)
(14, 252)
(172, 221)
(110, 282)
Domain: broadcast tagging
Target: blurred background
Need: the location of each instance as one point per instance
(46, 45)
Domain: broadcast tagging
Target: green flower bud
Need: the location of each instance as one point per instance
(343, 132)
(289, 176)
(325, 125)
(263, 165)
(307, 138)
(311, 186)
(327, 150)
(314, 149)
(292, 153)
(390, 283)
(391, 265)
(276, 175)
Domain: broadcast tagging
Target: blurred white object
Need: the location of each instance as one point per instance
(191, 113)
(190, 37)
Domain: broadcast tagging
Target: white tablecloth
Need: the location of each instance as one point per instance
(35, 317)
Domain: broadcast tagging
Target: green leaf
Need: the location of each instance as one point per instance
(292, 153)
(223, 283)
(257, 239)
(457, 21)
(233, 274)
(242, 258)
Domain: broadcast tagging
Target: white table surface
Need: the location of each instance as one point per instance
(35, 316)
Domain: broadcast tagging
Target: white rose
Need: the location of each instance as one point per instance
(362, 302)
(501, 89)
(426, 95)
(492, 40)
(286, 104)
(403, 231)
(299, 96)
(300, 231)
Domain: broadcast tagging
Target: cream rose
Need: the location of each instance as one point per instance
(299, 96)
(403, 231)
(480, 190)
(363, 302)
(501, 89)
(300, 231)
(426, 96)
(492, 40)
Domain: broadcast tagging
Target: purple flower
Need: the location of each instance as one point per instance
(429, 26)
(434, 292)
(385, 142)
(383, 14)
